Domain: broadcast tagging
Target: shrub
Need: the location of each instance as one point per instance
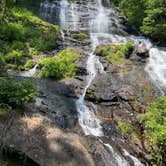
(147, 15)
(16, 93)
(29, 64)
(22, 32)
(41, 35)
(125, 128)
(14, 57)
(2, 64)
(5, 107)
(154, 121)
(17, 45)
(13, 31)
(60, 66)
(115, 53)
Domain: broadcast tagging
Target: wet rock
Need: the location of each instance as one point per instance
(121, 94)
(140, 53)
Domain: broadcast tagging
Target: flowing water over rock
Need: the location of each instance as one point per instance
(31, 72)
(156, 68)
(103, 26)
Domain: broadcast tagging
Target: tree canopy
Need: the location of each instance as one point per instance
(147, 15)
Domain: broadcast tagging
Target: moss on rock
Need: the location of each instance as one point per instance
(114, 53)
(81, 36)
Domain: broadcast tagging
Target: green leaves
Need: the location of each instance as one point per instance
(155, 126)
(23, 32)
(115, 53)
(16, 93)
(134, 10)
(147, 15)
(60, 66)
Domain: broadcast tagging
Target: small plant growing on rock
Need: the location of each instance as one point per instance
(61, 66)
(115, 54)
(125, 128)
(30, 64)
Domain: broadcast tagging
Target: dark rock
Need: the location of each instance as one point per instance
(127, 26)
(82, 71)
(141, 51)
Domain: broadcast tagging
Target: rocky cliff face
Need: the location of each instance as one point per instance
(49, 131)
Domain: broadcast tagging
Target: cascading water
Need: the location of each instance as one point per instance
(63, 14)
(31, 72)
(156, 68)
(102, 25)
(87, 119)
(74, 17)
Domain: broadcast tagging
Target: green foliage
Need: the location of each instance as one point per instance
(148, 15)
(5, 108)
(22, 32)
(155, 124)
(16, 93)
(134, 10)
(115, 53)
(60, 66)
(4, 4)
(3, 163)
(125, 127)
(2, 64)
(13, 31)
(40, 35)
(30, 64)
(14, 57)
(154, 24)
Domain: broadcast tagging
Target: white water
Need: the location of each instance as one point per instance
(31, 72)
(156, 68)
(135, 160)
(99, 26)
(63, 16)
(120, 161)
(87, 118)
(62, 35)
(101, 23)
(74, 17)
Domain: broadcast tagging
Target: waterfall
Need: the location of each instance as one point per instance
(120, 161)
(156, 68)
(102, 25)
(74, 17)
(62, 34)
(134, 159)
(87, 119)
(63, 14)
